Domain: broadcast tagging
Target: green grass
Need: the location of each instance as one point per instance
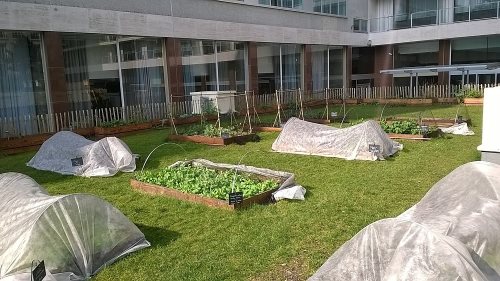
(193, 242)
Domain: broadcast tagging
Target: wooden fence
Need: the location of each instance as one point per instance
(11, 127)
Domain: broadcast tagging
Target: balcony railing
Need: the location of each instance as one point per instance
(436, 17)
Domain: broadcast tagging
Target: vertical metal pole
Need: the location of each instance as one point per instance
(498, 7)
(120, 76)
(281, 70)
(469, 11)
(411, 84)
(216, 67)
(46, 81)
(328, 67)
(417, 93)
(468, 73)
(463, 78)
(327, 109)
(411, 20)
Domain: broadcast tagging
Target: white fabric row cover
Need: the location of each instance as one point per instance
(453, 233)
(71, 154)
(75, 235)
(352, 143)
(458, 129)
(289, 189)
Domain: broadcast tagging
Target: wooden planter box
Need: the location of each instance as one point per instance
(121, 130)
(371, 101)
(438, 122)
(317, 121)
(23, 142)
(214, 140)
(447, 100)
(191, 119)
(353, 101)
(27, 143)
(473, 101)
(407, 137)
(261, 198)
(266, 129)
(407, 101)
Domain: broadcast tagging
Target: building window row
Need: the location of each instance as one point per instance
(105, 71)
(333, 7)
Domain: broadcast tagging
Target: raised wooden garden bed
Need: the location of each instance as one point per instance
(214, 140)
(14, 145)
(266, 129)
(261, 198)
(353, 101)
(27, 143)
(191, 119)
(317, 121)
(407, 137)
(473, 101)
(438, 122)
(447, 100)
(121, 130)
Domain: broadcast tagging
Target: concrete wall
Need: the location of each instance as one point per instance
(291, 27)
(436, 32)
(226, 11)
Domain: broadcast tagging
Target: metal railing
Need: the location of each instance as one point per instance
(436, 17)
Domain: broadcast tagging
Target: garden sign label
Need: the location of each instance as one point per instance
(375, 148)
(424, 129)
(235, 198)
(38, 273)
(78, 161)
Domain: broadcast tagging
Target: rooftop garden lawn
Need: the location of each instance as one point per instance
(287, 240)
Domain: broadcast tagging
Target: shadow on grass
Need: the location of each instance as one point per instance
(158, 236)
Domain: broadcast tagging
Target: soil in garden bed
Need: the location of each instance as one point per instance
(262, 198)
(215, 140)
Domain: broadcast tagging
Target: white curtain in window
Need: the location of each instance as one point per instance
(77, 76)
(17, 99)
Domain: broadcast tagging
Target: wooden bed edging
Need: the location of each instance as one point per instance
(214, 140)
(154, 189)
(407, 137)
(120, 130)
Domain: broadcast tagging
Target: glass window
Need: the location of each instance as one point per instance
(201, 63)
(22, 83)
(483, 49)
(274, 76)
(268, 65)
(142, 70)
(319, 60)
(362, 60)
(198, 64)
(416, 54)
(317, 6)
(231, 65)
(93, 72)
(91, 68)
(327, 67)
(336, 67)
(292, 66)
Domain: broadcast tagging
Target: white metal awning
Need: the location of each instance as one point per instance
(442, 68)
